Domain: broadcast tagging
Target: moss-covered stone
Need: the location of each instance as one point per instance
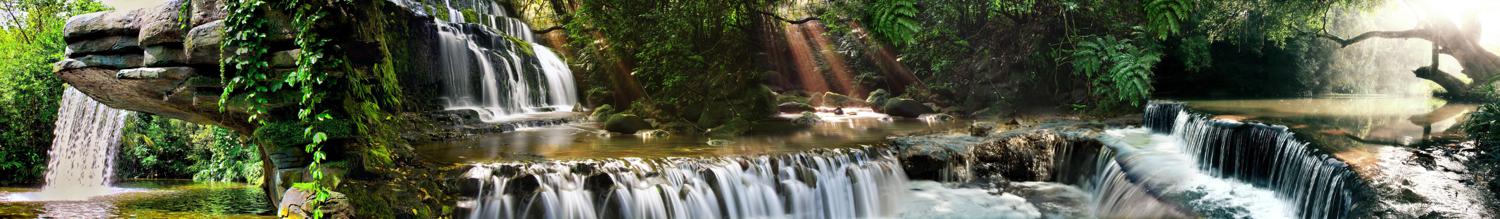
(626, 123)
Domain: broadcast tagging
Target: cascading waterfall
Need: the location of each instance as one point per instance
(83, 149)
(1316, 184)
(499, 75)
(834, 183)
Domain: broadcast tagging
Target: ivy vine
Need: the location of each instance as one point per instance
(248, 76)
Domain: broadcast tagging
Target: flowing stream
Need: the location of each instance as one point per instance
(83, 150)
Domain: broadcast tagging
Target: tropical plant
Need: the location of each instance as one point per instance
(1119, 71)
(1165, 17)
(894, 21)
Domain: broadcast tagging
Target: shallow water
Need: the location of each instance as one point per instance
(148, 199)
(586, 141)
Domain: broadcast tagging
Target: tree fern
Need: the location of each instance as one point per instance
(1165, 17)
(894, 21)
(1127, 78)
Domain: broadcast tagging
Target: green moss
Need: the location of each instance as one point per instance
(521, 44)
(469, 14)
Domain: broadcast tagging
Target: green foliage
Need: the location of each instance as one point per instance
(1194, 53)
(31, 39)
(1165, 17)
(894, 21)
(1012, 7)
(1483, 126)
(249, 78)
(693, 57)
(158, 147)
(1118, 70)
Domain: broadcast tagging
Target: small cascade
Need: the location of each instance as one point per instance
(834, 183)
(493, 65)
(1316, 184)
(83, 150)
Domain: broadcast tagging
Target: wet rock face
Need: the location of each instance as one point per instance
(1020, 157)
(295, 205)
(1038, 153)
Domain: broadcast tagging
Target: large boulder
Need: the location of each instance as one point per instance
(117, 44)
(205, 11)
(878, 97)
(162, 56)
(905, 107)
(161, 24)
(101, 24)
(203, 43)
(111, 61)
(626, 123)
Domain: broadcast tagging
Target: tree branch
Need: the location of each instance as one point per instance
(1413, 33)
(549, 29)
(784, 19)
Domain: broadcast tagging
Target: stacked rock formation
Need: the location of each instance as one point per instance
(140, 60)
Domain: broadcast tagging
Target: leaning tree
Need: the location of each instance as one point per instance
(1448, 38)
(1241, 21)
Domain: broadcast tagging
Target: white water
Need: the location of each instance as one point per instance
(842, 183)
(1161, 164)
(83, 151)
(489, 74)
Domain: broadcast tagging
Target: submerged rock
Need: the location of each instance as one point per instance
(905, 107)
(981, 129)
(807, 119)
(626, 123)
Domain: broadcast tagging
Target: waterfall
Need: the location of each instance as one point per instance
(832, 183)
(83, 149)
(1265, 156)
(492, 65)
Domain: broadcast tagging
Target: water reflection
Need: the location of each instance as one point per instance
(1369, 120)
(586, 141)
(147, 199)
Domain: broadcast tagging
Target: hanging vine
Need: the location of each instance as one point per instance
(249, 78)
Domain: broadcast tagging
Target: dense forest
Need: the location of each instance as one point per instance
(340, 96)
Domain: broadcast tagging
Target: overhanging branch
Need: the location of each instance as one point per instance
(1413, 33)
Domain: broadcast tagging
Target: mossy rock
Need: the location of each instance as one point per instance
(905, 107)
(602, 112)
(626, 123)
(878, 97)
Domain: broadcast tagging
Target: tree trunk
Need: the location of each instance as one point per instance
(1462, 44)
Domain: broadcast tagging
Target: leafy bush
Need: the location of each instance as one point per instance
(1484, 127)
(1119, 72)
(159, 147)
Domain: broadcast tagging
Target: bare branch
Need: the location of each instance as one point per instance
(1413, 33)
